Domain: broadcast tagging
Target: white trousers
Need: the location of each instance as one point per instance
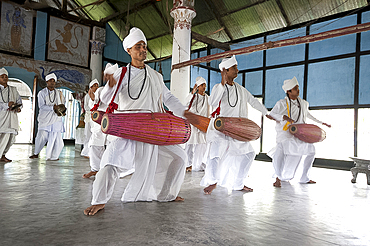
(95, 155)
(86, 148)
(195, 156)
(231, 172)
(6, 141)
(159, 173)
(55, 144)
(286, 165)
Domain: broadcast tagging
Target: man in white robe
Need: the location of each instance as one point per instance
(50, 125)
(159, 170)
(93, 86)
(290, 151)
(196, 145)
(228, 159)
(98, 139)
(10, 105)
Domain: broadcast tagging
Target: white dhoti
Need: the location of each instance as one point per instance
(87, 132)
(54, 141)
(6, 141)
(195, 154)
(286, 159)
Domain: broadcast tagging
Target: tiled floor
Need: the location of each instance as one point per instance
(42, 203)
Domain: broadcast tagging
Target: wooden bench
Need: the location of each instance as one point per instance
(361, 166)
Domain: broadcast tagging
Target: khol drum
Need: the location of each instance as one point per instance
(241, 129)
(308, 133)
(97, 116)
(153, 128)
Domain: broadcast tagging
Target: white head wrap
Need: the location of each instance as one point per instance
(93, 82)
(228, 63)
(290, 84)
(200, 80)
(3, 71)
(135, 36)
(51, 76)
(110, 69)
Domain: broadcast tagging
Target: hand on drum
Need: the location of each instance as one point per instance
(288, 119)
(270, 117)
(191, 117)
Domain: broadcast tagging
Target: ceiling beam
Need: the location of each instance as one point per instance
(136, 7)
(282, 10)
(82, 7)
(218, 17)
(244, 7)
(212, 42)
(277, 44)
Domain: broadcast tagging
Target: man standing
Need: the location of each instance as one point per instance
(10, 105)
(289, 150)
(98, 139)
(229, 159)
(159, 170)
(196, 145)
(93, 86)
(50, 124)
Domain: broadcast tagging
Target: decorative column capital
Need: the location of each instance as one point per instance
(183, 16)
(97, 47)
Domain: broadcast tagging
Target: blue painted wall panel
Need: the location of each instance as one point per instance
(40, 36)
(331, 82)
(114, 49)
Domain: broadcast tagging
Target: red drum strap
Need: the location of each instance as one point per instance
(112, 105)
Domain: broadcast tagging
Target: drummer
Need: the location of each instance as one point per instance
(290, 151)
(159, 170)
(50, 125)
(196, 145)
(228, 159)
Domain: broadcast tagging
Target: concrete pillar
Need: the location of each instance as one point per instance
(96, 60)
(183, 13)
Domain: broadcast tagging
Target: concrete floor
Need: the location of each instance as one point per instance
(42, 203)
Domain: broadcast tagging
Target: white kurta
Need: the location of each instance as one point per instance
(88, 125)
(159, 170)
(228, 159)
(289, 150)
(196, 145)
(50, 125)
(8, 119)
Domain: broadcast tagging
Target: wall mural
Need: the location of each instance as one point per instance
(74, 78)
(68, 42)
(16, 29)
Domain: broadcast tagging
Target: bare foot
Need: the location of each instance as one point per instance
(277, 183)
(179, 199)
(188, 169)
(311, 182)
(247, 189)
(92, 210)
(34, 156)
(88, 175)
(4, 159)
(208, 190)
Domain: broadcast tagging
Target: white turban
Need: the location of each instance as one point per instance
(290, 84)
(51, 76)
(3, 71)
(110, 69)
(93, 82)
(228, 63)
(200, 80)
(135, 36)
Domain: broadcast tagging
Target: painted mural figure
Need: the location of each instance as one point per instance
(17, 22)
(67, 35)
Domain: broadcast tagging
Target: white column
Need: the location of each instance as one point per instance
(96, 60)
(183, 13)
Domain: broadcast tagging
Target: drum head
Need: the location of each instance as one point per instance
(218, 124)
